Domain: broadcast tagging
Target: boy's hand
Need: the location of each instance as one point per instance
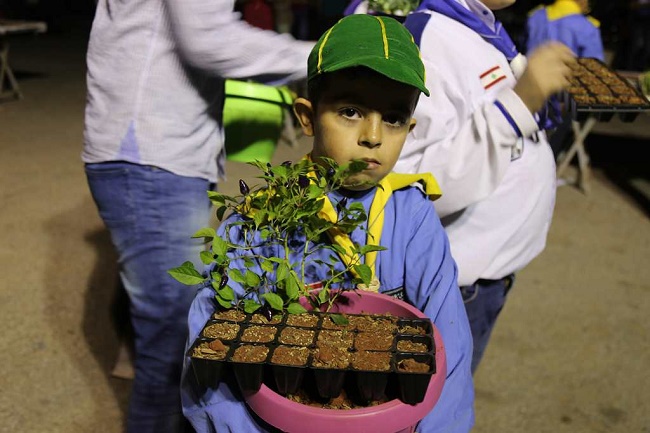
(548, 72)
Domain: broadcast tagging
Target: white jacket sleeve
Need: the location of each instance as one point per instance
(212, 37)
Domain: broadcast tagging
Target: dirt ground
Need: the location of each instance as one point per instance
(570, 353)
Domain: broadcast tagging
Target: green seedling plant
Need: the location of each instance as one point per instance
(393, 7)
(283, 208)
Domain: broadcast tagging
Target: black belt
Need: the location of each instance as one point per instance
(508, 280)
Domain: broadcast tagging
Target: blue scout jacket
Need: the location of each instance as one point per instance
(417, 261)
(563, 21)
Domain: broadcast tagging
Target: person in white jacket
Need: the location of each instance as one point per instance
(153, 146)
(481, 134)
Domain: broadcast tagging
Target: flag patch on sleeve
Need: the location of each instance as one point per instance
(492, 76)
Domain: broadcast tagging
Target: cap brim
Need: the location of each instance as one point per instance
(390, 68)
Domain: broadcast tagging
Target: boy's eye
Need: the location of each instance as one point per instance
(395, 119)
(349, 113)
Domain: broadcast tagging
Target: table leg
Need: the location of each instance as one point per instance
(5, 71)
(580, 134)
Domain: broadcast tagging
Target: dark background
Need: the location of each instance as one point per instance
(625, 24)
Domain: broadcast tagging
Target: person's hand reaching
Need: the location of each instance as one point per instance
(549, 70)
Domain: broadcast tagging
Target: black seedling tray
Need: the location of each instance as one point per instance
(598, 91)
(287, 379)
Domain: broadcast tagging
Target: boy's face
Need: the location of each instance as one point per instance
(365, 116)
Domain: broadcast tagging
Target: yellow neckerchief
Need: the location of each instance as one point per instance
(563, 8)
(392, 182)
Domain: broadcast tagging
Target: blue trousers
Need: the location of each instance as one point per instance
(151, 215)
(484, 300)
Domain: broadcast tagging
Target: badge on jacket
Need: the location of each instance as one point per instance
(492, 76)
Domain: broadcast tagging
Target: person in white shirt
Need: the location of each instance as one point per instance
(481, 135)
(153, 147)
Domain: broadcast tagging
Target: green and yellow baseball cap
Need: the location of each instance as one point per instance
(380, 43)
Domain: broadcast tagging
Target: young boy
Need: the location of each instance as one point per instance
(565, 21)
(365, 78)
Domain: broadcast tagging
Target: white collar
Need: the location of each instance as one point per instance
(481, 11)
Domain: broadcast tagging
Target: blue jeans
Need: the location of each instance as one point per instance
(151, 215)
(483, 303)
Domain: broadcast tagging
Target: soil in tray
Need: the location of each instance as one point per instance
(304, 320)
(371, 361)
(373, 341)
(412, 346)
(296, 336)
(262, 319)
(230, 315)
(343, 338)
(328, 323)
(331, 356)
(258, 334)
(412, 366)
(250, 353)
(413, 327)
(221, 330)
(380, 324)
(214, 350)
(290, 355)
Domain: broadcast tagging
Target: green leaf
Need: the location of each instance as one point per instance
(252, 279)
(274, 300)
(292, 286)
(323, 296)
(248, 262)
(206, 257)
(223, 302)
(259, 216)
(267, 265)
(295, 308)
(206, 232)
(216, 197)
(365, 273)
(236, 275)
(280, 171)
(219, 246)
(221, 210)
(369, 248)
(282, 272)
(339, 319)
(186, 274)
(315, 191)
(227, 293)
(357, 166)
(277, 260)
(250, 306)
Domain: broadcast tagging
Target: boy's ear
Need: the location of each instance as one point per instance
(412, 124)
(304, 111)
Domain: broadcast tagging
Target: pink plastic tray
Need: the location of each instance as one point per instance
(391, 417)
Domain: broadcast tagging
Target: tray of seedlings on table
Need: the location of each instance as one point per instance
(311, 359)
(598, 91)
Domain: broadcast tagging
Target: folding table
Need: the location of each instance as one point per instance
(9, 27)
(580, 133)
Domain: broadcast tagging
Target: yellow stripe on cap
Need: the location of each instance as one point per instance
(320, 49)
(384, 38)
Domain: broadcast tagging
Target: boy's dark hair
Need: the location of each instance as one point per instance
(318, 85)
